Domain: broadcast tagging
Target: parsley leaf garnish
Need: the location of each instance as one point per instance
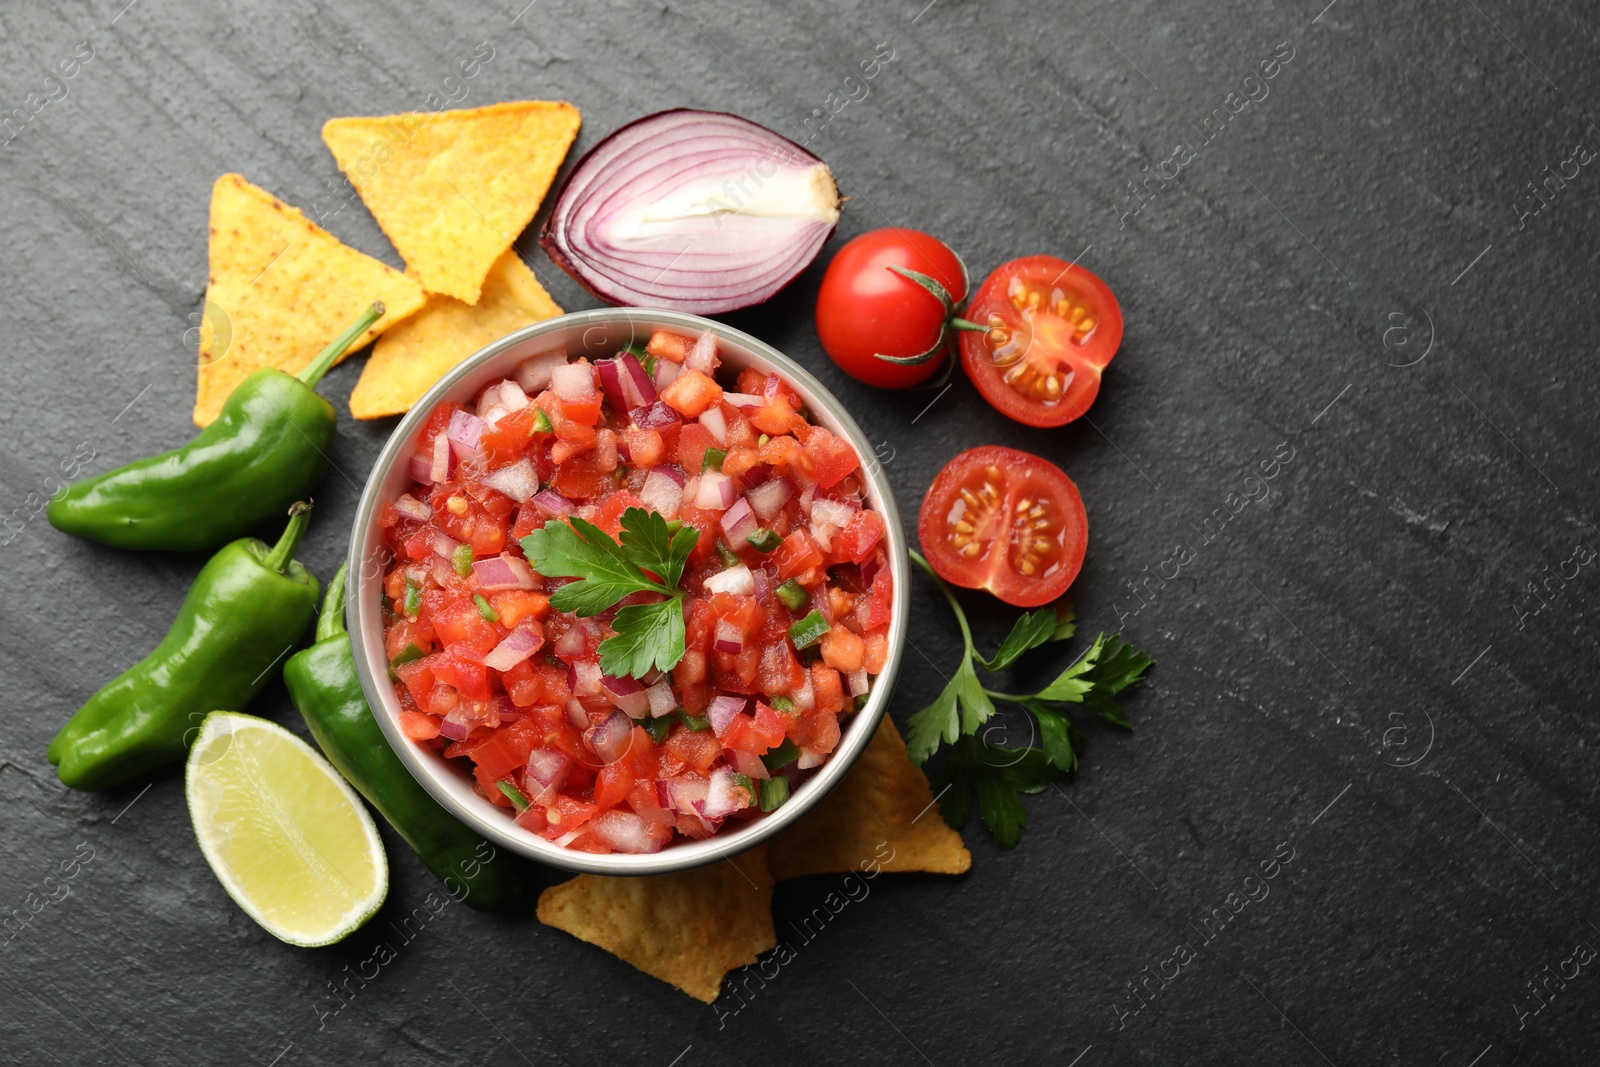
(649, 557)
(1000, 775)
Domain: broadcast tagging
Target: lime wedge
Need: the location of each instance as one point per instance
(288, 839)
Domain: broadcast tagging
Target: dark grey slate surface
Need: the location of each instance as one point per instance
(1354, 673)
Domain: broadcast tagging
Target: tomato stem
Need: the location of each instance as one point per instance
(967, 325)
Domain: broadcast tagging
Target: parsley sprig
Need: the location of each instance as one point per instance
(648, 557)
(998, 775)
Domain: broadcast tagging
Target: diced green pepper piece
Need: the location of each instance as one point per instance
(658, 728)
(774, 792)
(413, 599)
(781, 756)
(764, 540)
(793, 595)
(693, 722)
(461, 558)
(781, 703)
(513, 794)
(809, 630)
(411, 652)
(541, 422)
(712, 460)
(730, 558)
(485, 609)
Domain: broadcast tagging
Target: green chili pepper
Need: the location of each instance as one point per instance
(730, 558)
(250, 604)
(461, 559)
(774, 793)
(265, 450)
(658, 729)
(485, 608)
(809, 630)
(793, 595)
(324, 685)
(541, 421)
(712, 460)
(693, 722)
(764, 540)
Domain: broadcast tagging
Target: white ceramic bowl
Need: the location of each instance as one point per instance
(599, 335)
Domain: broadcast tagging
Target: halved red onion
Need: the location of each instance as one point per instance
(768, 498)
(625, 382)
(723, 709)
(421, 468)
(739, 521)
(661, 700)
(465, 431)
(728, 638)
(696, 211)
(553, 504)
(724, 795)
(412, 508)
(715, 491)
(627, 694)
(504, 571)
(443, 460)
(746, 763)
(736, 579)
(573, 381)
(518, 481)
(658, 416)
(661, 493)
(610, 740)
(518, 645)
(533, 374)
(703, 356)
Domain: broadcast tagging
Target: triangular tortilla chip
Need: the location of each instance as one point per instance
(883, 801)
(280, 289)
(418, 352)
(688, 929)
(453, 189)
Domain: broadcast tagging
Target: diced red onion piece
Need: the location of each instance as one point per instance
(713, 420)
(703, 356)
(738, 522)
(577, 715)
(627, 694)
(686, 793)
(648, 219)
(859, 682)
(666, 373)
(518, 645)
(518, 481)
(626, 832)
(747, 763)
(553, 504)
(584, 677)
(453, 728)
(660, 698)
(533, 374)
(715, 492)
(833, 512)
(573, 381)
(412, 508)
(661, 493)
(736, 579)
(569, 645)
(724, 797)
(728, 638)
(443, 544)
(610, 740)
(421, 468)
(744, 400)
(504, 571)
(465, 432)
(810, 758)
(722, 711)
(439, 470)
(658, 416)
(768, 498)
(625, 382)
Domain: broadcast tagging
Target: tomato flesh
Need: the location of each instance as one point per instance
(1006, 521)
(1051, 328)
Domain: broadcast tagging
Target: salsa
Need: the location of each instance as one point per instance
(786, 594)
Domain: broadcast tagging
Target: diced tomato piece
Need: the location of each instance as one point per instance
(829, 686)
(609, 515)
(403, 632)
(529, 519)
(438, 422)
(881, 599)
(693, 440)
(461, 665)
(740, 460)
(585, 412)
(770, 725)
(799, 558)
(781, 453)
(456, 620)
(842, 650)
(776, 386)
(644, 448)
(504, 442)
(827, 458)
(566, 427)
(740, 433)
(506, 749)
(691, 393)
(741, 613)
(642, 799)
(515, 605)
(419, 727)
(698, 748)
(780, 671)
(567, 814)
(816, 731)
(756, 734)
(859, 538)
(580, 479)
(673, 347)
(876, 652)
(750, 381)
(417, 677)
(705, 523)
(776, 416)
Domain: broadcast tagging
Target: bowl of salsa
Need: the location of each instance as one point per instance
(630, 591)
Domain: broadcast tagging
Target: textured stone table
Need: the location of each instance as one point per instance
(1376, 675)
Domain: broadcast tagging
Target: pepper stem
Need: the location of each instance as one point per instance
(282, 552)
(318, 367)
(331, 622)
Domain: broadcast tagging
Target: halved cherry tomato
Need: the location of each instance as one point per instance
(865, 309)
(1052, 327)
(1007, 521)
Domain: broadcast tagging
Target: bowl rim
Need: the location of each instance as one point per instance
(450, 786)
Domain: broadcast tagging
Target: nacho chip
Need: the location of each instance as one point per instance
(280, 289)
(453, 189)
(884, 800)
(688, 929)
(418, 352)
